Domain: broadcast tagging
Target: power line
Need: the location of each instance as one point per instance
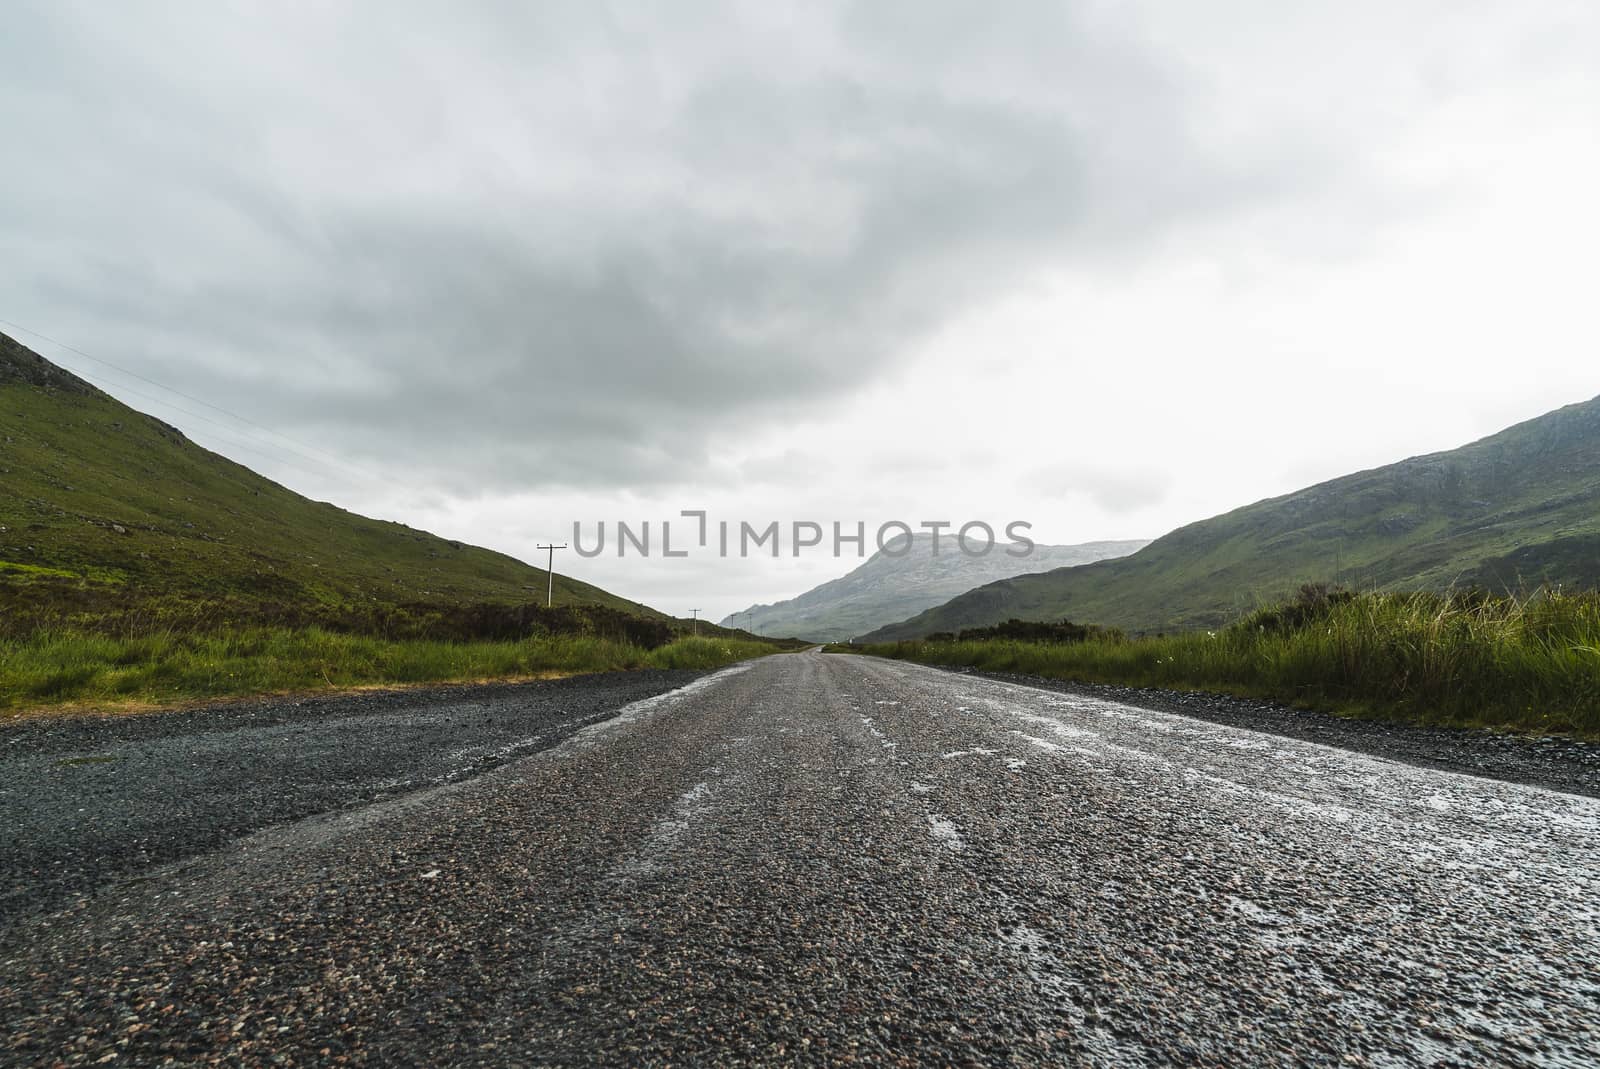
(192, 415)
(200, 401)
(159, 385)
(235, 443)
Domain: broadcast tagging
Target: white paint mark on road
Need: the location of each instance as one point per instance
(872, 729)
(638, 711)
(945, 832)
(1302, 806)
(1054, 726)
(1055, 747)
(1065, 992)
(653, 852)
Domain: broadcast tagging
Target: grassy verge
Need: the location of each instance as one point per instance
(1466, 661)
(76, 668)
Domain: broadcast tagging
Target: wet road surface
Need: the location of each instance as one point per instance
(85, 801)
(818, 859)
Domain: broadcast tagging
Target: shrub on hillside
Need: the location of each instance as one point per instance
(1313, 602)
(1015, 630)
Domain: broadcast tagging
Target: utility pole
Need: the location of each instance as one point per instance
(550, 573)
(695, 615)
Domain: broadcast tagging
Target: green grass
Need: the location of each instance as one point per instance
(139, 568)
(56, 668)
(1521, 664)
(18, 570)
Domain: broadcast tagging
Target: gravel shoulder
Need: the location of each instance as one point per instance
(89, 800)
(1552, 762)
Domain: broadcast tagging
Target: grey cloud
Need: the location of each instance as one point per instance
(519, 246)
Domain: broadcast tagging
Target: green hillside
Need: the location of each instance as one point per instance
(105, 506)
(1515, 510)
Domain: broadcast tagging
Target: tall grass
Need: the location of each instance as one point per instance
(1471, 661)
(50, 668)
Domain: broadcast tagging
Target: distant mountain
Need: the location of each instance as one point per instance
(95, 493)
(1517, 509)
(888, 588)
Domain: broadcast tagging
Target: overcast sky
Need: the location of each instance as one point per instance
(1104, 267)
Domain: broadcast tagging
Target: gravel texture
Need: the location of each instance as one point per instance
(85, 800)
(819, 859)
(1554, 762)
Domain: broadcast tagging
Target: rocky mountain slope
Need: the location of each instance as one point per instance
(888, 588)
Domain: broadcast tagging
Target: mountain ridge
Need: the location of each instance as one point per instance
(94, 492)
(887, 584)
(1517, 508)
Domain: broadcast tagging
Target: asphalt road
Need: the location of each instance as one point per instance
(821, 859)
(85, 801)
